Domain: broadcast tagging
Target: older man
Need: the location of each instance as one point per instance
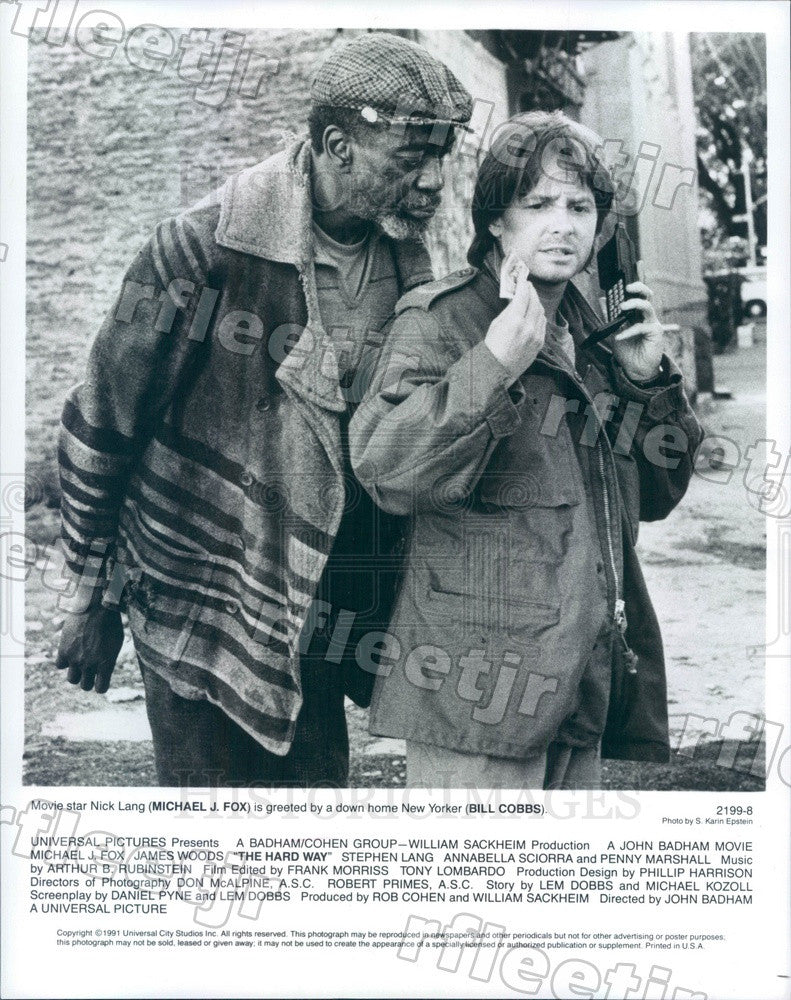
(206, 484)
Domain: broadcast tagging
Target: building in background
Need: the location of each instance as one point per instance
(113, 148)
(638, 89)
(634, 90)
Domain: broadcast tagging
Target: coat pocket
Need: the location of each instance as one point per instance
(485, 613)
(536, 466)
(489, 594)
(496, 570)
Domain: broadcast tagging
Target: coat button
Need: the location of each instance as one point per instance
(246, 478)
(232, 607)
(264, 403)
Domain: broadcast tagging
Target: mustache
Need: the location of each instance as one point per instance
(432, 203)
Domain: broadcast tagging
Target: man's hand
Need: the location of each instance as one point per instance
(639, 347)
(517, 335)
(89, 647)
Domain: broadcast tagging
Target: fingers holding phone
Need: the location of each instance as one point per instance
(639, 347)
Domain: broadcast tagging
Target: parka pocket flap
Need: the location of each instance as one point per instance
(499, 488)
(490, 613)
(536, 465)
(503, 595)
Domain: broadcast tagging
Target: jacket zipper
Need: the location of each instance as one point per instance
(619, 610)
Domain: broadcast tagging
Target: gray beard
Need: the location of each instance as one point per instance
(368, 206)
(400, 229)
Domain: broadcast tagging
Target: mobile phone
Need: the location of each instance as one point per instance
(617, 264)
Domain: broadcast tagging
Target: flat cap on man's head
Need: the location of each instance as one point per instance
(388, 78)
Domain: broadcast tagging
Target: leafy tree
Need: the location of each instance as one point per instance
(729, 81)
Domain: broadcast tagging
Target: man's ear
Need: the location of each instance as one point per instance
(337, 147)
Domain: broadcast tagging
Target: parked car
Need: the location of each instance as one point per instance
(753, 292)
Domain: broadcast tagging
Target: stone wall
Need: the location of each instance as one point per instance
(484, 77)
(114, 148)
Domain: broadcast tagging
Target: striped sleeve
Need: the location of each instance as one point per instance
(134, 367)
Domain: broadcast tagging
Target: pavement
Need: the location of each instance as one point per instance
(705, 565)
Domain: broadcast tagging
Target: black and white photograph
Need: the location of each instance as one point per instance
(343, 496)
(395, 499)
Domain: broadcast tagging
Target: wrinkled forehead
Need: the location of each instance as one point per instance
(435, 139)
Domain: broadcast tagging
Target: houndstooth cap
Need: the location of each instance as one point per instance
(388, 78)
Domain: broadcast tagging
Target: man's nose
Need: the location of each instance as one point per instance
(430, 177)
(561, 220)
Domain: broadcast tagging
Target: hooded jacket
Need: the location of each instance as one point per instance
(200, 459)
(522, 599)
